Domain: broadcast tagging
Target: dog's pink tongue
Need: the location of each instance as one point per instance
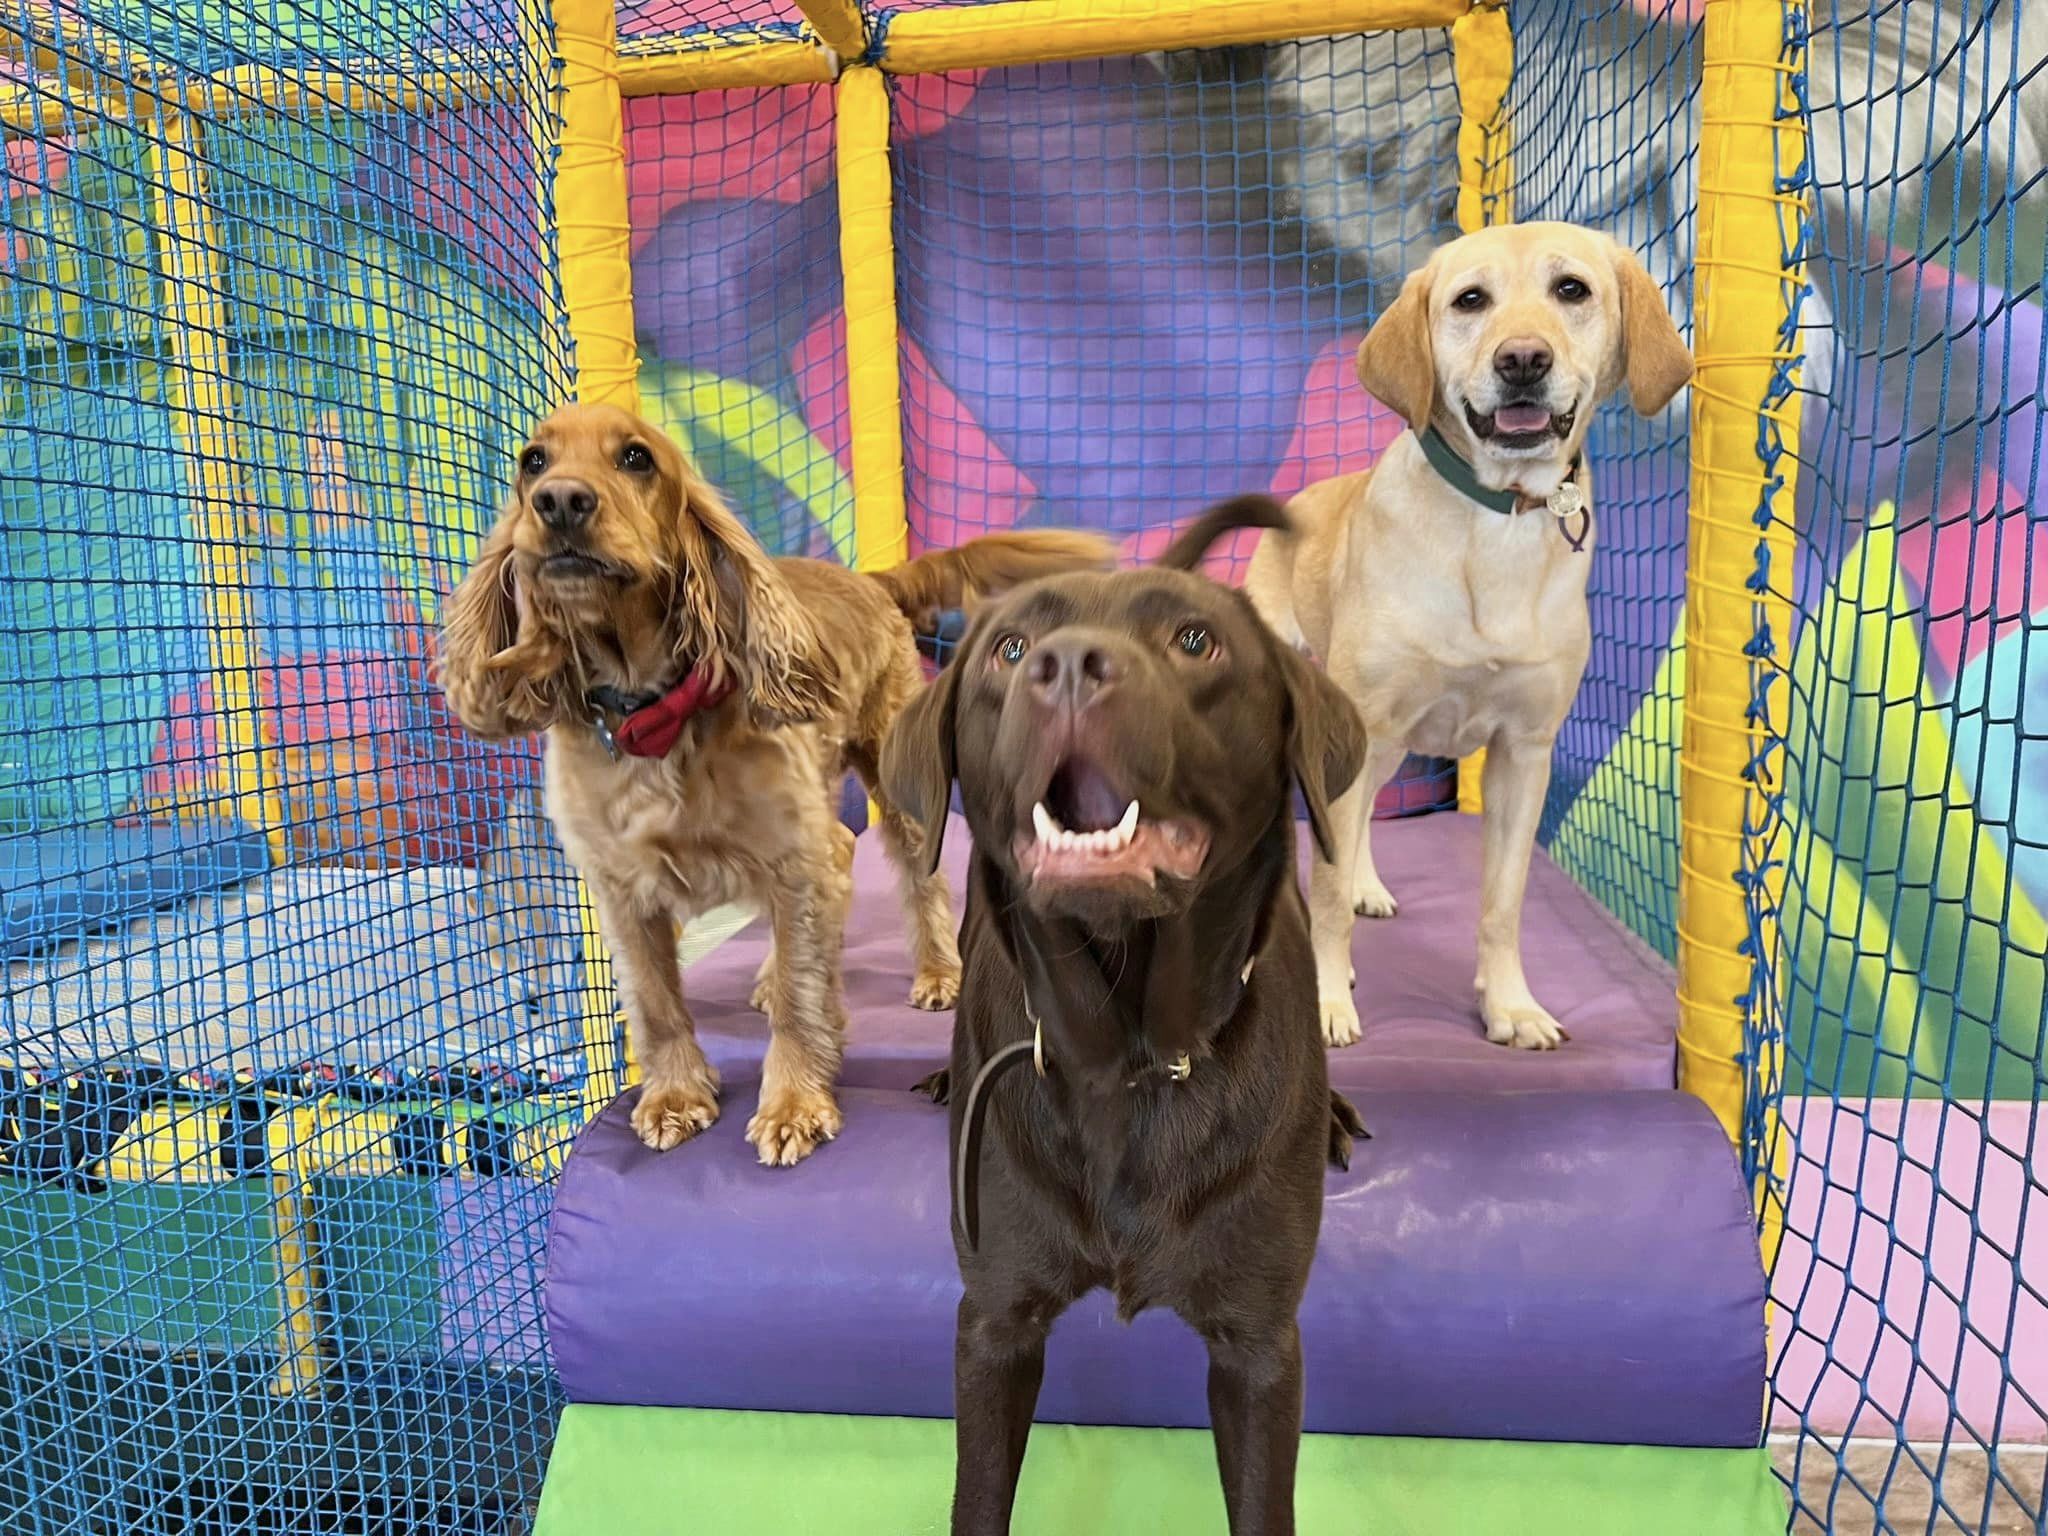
(1521, 418)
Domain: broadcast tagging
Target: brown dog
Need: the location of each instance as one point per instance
(1125, 747)
(702, 703)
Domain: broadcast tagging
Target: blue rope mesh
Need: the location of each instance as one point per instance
(270, 922)
(292, 1022)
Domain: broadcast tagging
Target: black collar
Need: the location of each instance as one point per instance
(616, 701)
(1567, 503)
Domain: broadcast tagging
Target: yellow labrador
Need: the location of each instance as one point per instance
(1445, 589)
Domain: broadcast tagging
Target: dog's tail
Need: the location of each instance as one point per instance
(1269, 579)
(1255, 510)
(944, 579)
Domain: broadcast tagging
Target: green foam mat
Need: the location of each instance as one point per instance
(654, 1471)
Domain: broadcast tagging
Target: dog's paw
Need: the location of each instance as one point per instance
(1340, 1020)
(764, 985)
(1345, 1127)
(1373, 899)
(935, 988)
(789, 1126)
(938, 1087)
(1525, 1026)
(669, 1114)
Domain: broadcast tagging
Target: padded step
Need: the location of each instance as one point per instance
(1422, 1031)
(1564, 1266)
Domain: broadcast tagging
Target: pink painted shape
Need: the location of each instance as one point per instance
(1982, 568)
(774, 143)
(1338, 428)
(959, 484)
(1936, 1213)
(923, 104)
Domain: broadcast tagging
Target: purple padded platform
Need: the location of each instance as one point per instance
(1557, 1266)
(1615, 996)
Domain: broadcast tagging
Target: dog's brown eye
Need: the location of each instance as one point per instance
(1196, 641)
(1570, 289)
(634, 459)
(1010, 649)
(1471, 301)
(533, 461)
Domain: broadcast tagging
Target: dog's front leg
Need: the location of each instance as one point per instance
(998, 1363)
(1330, 914)
(1255, 1410)
(679, 1088)
(806, 1011)
(1517, 776)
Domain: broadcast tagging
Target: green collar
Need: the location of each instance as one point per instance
(1566, 503)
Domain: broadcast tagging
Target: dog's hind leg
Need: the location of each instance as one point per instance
(1369, 894)
(998, 1364)
(807, 1014)
(1330, 916)
(1255, 1412)
(927, 898)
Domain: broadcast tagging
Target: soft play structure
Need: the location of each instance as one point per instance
(319, 1210)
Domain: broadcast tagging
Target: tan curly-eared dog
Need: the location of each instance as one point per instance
(702, 703)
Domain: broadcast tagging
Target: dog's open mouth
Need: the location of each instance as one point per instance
(1085, 831)
(1523, 424)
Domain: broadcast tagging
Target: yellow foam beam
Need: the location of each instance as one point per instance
(839, 24)
(867, 254)
(1483, 56)
(1741, 297)
(1040, 31)
(732, 64)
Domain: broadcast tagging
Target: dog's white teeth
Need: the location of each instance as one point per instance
(1127, 828)
(1043, 825)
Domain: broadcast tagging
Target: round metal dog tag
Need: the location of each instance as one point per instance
(1567, 500)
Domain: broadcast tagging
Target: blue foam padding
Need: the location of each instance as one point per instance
(59, 886)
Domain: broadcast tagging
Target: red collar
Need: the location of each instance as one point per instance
(650, 723)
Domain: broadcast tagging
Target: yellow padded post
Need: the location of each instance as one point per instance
(1751, 139)
(1483, 55)
(593, 231)
(594, 239)
(867, 255)
(203, 406)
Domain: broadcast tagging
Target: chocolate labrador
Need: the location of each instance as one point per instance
(1138, 1093)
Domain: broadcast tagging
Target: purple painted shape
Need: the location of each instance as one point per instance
(1560, 1266)
(1614, 995)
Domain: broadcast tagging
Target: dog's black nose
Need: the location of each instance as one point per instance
(1072, 668)
(562, 503)
(1521, 361)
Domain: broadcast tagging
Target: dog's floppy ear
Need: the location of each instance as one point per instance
(502, 673)
(919, 758)
(1325, 740)
(1653, 355)
(739, 609)
(1396, 361)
